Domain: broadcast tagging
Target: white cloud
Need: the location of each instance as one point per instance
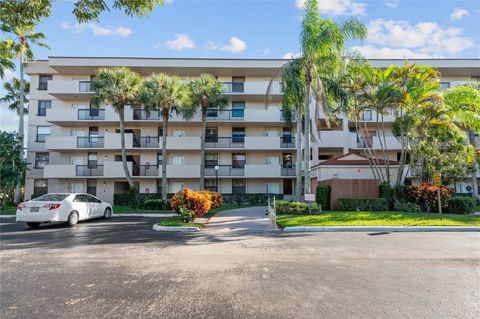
(180, 43)
(290, 55)
(211, 46)
(236, 45)
(392, 4)
(337, 7)
(371, 52)
(458, 14)
(424, 37)
(97, 30)
(9, 75)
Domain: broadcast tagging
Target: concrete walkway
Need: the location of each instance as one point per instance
(240, 220)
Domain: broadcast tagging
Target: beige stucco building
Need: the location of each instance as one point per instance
(250, 147)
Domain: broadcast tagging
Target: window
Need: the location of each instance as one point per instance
(40, 187)
(92, 186)
(178, 160)
(238, 160)
(323, 157)
(41, 159)
(211, 135)
(366, 115)
(43, 82)
(82, 198)
(211, 160)
(42, 132)
(160, 131)
(238, 186)
(52, 197)
(92, 160)
(287, 139)
(91, 199)
(238, 84)
(43, 105)
(444, 85)
(238, 109)
(273, 188)
(238, 134)
(159, 186)
(272, 160)
(287, 159)
(211, 185)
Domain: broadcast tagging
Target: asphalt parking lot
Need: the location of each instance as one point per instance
(121, 268)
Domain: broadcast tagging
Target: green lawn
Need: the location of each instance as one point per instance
(377, 219)
(175, 221)
(131, 210)
(9, 210)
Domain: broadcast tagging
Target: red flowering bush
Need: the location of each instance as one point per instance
(426, 196)
(215, 198)
(197, 203)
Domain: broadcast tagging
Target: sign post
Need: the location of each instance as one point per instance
(310, 198)
(437, 181)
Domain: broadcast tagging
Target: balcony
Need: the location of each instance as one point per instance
(89, 170)
(224, 170)
(287, 142)
(70, 89)
(90, 142)
(142, 114)
(91, 114)
(374, 142)
(252, 88)
(288, 170)
(224, 142)
(59, 171)
(183, 171)
(145, 170)
(145, 142)
(225, 115)
(262, 170)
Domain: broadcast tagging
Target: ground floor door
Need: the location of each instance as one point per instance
(288, 187)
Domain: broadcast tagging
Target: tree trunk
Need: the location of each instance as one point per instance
(164, 157)
(202, 151)
(121, 116)
(20, 128)
(307, 181)
(298, 162)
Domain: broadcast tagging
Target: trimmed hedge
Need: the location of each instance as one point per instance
(387, 192)
(157, 204)
(232, 199)
(363, 204)
(322, 196)
(285, 207)
(461, 205)
(407, 207)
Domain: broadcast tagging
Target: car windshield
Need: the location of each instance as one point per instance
(51, 197)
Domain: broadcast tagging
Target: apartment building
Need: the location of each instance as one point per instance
(249, 147)
(329, 155)
(74, 148)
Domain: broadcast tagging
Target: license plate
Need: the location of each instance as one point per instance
(34, 209)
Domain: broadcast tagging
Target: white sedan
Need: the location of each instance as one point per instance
(62, 207)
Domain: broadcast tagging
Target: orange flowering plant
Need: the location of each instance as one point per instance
(426, 195)
(215, 198)
(198, 203)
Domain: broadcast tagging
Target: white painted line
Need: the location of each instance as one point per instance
(8, 216)
(303, 229)
(182, 229)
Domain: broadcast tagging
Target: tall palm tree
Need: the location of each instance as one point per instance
(206, 92)
(12, 98)
(322, 58)
(118, 86)
(167, 94)
(21, 37)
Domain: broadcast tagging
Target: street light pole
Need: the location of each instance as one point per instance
(216, 175)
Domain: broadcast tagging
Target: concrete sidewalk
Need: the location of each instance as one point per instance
(241, 219)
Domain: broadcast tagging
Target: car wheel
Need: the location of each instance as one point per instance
(72, 219)
(107, 213)
(33, 225)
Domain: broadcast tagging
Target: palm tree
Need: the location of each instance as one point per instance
(206, 92)
(118, 86)
(12, 98)
(322, 58)
(167, 94)
(21, 37)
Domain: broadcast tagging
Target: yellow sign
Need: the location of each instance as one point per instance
(437, 179)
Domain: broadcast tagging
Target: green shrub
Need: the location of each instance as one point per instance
(407, 207)
(363, 204)
(461, 205)
(159, 204)
(185, 214)
(322, 196)
(285, 207)
(249, 199)
(129, 198)
(400, 192)
(387, 192)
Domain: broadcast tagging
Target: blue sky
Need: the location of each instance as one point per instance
(262, 29)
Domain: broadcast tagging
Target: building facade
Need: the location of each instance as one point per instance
(250, 148)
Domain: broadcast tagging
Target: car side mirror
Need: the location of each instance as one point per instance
(99, 200)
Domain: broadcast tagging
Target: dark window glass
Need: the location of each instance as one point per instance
(92, 186)
(238, 84)
(211, 160)
(159, 159)
(81, 198)
(160, 131)
(42, 132)
(238, 134)
(287, 159)
(43, 105)
(43, 82)
(238, 160)
(211, 135)
(40, 187)
(238, 186)
(41, 159)
(52, 197)
(238, 109)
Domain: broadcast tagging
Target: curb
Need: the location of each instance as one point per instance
(181, 229)
(8, 216)
(145, 215)
(305, 229)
